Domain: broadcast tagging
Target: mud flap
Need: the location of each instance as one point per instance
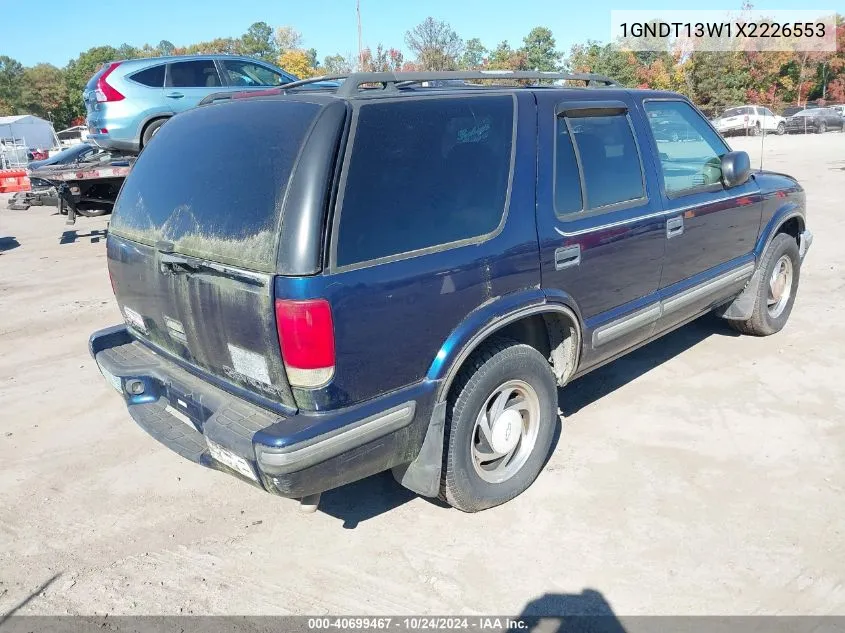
(423, 474)
(742, 307)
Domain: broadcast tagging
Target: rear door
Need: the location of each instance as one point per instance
(187, 82)
(602, 235)
(192, 246)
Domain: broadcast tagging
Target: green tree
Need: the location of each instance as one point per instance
(11, 74)
(503, 57)
(166, 48)
(258, 42)
(44, 93)
(436, 45)
(718, 79)
(474, 54)
(79, 71)
(539, 49)
(337, 65)
(604, 59)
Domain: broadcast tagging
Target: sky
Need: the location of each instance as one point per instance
(327, 25)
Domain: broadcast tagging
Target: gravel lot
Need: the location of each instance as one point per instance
(701, 474)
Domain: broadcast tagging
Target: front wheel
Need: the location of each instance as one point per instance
(781, 129)
(499, 426)
(781, 270)
(822, 128)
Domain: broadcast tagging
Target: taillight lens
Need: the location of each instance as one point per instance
(105, 91)
(306, 338)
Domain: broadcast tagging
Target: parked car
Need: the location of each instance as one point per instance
(749, 119)
(72, 135)
(128, 101)
(401, 278)
(72, 154)
(817, 120)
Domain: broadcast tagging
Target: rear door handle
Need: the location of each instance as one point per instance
(175, 95)
(675, 226)
(567, 256)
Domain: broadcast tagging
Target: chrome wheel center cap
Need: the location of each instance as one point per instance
(506, 431)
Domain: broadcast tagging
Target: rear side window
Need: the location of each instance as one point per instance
(152, 77)
(213, 180)
(201, 73)
(424, 173)
(610, 159)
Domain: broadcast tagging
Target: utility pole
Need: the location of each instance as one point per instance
(360, 44)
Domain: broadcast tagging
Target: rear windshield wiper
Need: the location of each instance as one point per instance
(175, 264)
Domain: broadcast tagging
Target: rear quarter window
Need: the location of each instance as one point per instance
(424, 173)
(152, 77)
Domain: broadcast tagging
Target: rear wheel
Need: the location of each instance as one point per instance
(822, 128)
(499, 427)
(754, 130)
(150, 131)
(781, 129)
(781, 270)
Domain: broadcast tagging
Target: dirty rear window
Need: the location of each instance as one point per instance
(213, 179)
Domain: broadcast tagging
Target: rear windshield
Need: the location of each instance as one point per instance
(213, 179)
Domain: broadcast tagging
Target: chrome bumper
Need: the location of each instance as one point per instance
(805, 239)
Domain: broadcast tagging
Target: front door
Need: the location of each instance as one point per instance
(711, 229)
(601, 229)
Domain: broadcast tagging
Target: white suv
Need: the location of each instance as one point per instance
(749, 119)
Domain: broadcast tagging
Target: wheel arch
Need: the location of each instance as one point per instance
(152, 119)
(524, 316)
(553, 328)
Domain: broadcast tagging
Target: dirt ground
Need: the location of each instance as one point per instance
(703, 474)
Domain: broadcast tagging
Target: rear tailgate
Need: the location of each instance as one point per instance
(193, 241)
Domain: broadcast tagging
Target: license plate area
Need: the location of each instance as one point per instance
(228, 458)
(181, 405)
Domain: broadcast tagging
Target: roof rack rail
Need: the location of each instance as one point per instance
(395, 81)
(390, 81)
(353, 81)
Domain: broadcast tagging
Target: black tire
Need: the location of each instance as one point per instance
(93, 213)
(150, 131)
(822, 128)
(762, 322)
(494, 365)
(781, 129)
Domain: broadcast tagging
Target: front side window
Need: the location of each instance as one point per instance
(423, 173)
(200, 73)
(242, 73)
(610, 160)
(693, 158)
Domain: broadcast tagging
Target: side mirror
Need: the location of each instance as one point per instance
(736, 168)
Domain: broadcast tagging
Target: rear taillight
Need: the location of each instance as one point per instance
(306, 338)
(104, 90)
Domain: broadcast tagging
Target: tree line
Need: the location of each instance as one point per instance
(712, 80)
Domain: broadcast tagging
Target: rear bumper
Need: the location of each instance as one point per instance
(294, 456)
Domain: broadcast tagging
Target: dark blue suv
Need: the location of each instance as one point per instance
(399, 273)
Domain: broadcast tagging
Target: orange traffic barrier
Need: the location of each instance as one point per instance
(12, 180)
